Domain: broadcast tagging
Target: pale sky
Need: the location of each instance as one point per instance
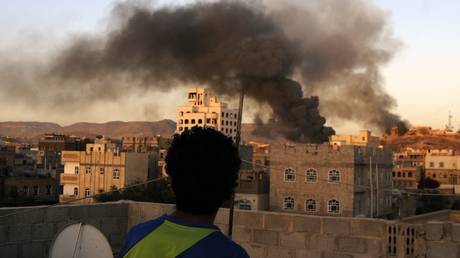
(424, 76)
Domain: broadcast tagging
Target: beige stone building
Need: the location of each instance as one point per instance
(364, 138)
(408, 167)
(204, 109)
(139, 143)
(252, 192)
(100, 168)
(444, 167)
(330, 180)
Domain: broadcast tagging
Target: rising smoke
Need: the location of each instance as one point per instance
(268, 50)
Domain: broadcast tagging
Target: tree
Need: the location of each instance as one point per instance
(157, 191)
(428, 183)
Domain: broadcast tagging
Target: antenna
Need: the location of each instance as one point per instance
(449, 126)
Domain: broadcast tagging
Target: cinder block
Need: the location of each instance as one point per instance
(32, 249)
(279, 222)
(266, 237)
(442, 249)
(320, 242)
(248, 219)
(78, 213)
(18, 233)
(293, 240)
(55, 214)
(279, 252)
(368, 228)
(434, 230)
(302, 253)
(254, 251)
(9, 251)
(456, 232)
(113, 226)
(30, 216)
(335, 255)
(43, 231)
(98, 211)
(336, 226)
(241, 235)
(118, 209)
(307, 224)
(351, 245)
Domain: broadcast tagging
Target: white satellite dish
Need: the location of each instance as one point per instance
(80, 241)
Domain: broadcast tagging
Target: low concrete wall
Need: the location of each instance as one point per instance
(30, 232)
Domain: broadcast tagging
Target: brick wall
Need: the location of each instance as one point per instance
(263, 234)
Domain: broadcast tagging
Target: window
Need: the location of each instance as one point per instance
(431, 164)
(181, 121)
(186, 121)
(48, 190)
(311, 176)
(200, 121)
(404, 174)
(289, 175)
(334, 176)
(181, 128)
(226, 115)
(434, 175)
(208, 120)
(76, 170)
(399, 174)
(87, 192)
(409, 174)
(181, 113)
(226, 122)
(333, 206)
(236, 116)
(25, 189)
(88, 170)
(35, 189)
(441, 164)
(288, 203)
(310, 205)
(244, 205)
(394, 174)
(116, 173)
(75, 191)
(193, 121)
(101, 171)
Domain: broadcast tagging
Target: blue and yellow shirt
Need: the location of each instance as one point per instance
(169, 237)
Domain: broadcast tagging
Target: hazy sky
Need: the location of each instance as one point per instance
(424, 76)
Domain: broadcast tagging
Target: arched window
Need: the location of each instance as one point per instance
(333, 206)
(87, 192)
(310, 205)
(334, 176)
(193, 121)
(116, 173)
(186, 121)
(288, 203)
(181, 121)
(75, 191)
(76, 170)
(311, 175)
(399, 174)
(289, 175)
(200, 121)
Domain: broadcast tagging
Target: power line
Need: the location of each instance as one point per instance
(83, 198)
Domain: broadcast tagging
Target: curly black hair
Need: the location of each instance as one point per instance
(203, 165)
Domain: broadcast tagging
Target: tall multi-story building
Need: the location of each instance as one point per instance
(364, 138)
(204, 109)
(100, 168)
(408, 167)
(330, 179)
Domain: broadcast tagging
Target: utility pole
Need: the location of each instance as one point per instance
(371, 187)
(237, 143)
(377, 185)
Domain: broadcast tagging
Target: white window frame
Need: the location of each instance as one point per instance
(115, 173)
(289, 171)
(88, 170)
(330, 176)
(311, 202)
(289, 203)
(87, 192)
(310, 178)
(333, 203)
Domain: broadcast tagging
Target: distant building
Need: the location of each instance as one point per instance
(7, 160)
(330, 180)
(40, 188)
(203, 109)
(252, 192)
(139, 143)
(364, 138)
(408, 168)
(100, 168)
(444, 167)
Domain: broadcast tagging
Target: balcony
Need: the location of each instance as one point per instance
(69, 178)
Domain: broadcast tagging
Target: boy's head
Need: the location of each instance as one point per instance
(203, 165)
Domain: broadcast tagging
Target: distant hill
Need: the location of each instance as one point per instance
(115, 129)
(422, 142)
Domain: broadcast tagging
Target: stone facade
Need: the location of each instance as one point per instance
(330, 180)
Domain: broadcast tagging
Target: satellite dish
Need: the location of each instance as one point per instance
(80, 241)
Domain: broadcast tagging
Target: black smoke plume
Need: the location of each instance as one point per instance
(333, 48)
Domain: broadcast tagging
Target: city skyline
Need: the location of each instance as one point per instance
(421, 77)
